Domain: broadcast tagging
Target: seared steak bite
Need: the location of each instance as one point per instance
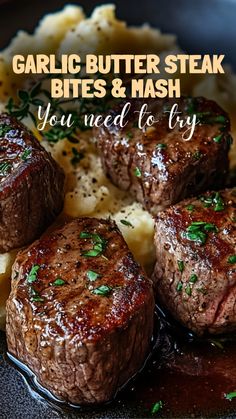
(31, 186)
(157, 166)
(195, 272)
(80, 313)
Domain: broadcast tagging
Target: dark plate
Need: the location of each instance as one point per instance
(203, 26)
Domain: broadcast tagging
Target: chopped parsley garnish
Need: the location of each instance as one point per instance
(4, 168)
(193, 278)
(204, 117)
(86, 235)
(58, 282)
(127, 223)
(197, 231)
(190, 207)
(207, 201)
(180, 265)
(35, 296)
(32, 275)
(195, 225)
(92, 275)
(103, 290)
(179, 286)
(218, 138)
(95, 251)
(24, 156)
(232, 259)
(230, 396)
(218, 119)
(219, 202)
(188, 290)
(137, 172)
(4, 129)
(99, 244)
(37, 299)
(215, 200)
(209, 118)
(156, 407)
(198, 236)
(210, 227)
(161, 146)
(77, 156)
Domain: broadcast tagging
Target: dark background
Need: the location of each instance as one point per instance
(202, 26)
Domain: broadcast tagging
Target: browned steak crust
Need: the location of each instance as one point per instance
(87, 333)
(31, 186)
(156, 165)
(195, 273)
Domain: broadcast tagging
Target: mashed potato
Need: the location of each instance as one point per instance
(88, 191)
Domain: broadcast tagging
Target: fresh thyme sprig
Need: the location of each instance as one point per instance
(27, 100)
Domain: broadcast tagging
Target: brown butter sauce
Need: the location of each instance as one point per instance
(190, 377)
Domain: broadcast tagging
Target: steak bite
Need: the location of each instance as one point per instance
(195, 272)
(157, 166)
(31, 186)
(80, 313)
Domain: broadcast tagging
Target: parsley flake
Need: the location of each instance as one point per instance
(193, 278)
(137, 172)
(179, 286)
(230, 396)
(35, 296)
(214, 200)
(188, 290)
(4, 168)
(190, 207)
(197, 231)
(218, 138)
(180, 265)
(232, 259)
(103, 290)
(26, 154)
(99, 244)
(92, 275)
(157, 407)
(58, 282)
(32, 275)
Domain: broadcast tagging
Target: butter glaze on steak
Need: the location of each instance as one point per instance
(156, 165)
(82, 343)
(31, 186)
(195, 273)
